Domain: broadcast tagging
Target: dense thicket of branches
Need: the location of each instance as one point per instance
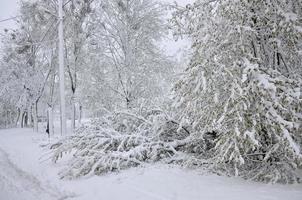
(244, 84)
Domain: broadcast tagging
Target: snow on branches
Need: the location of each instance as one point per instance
(118, 141)
(260, 138)
(243, 86)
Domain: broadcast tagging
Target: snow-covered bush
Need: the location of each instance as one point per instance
(118, 141)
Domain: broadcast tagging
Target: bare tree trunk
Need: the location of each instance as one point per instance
(73, 112)
(35, 116)
(6, 119)
(30, 119)
(80, 114)
(26, 119)
(50, 118)
(22, 119)
(127, 103)
(18, 117)
(9, 118)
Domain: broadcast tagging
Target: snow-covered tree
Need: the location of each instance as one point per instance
(76, 38)
(127, 35)
(242, 86)
(25, 63)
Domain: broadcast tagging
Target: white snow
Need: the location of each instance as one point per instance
(25, 176)
(251, 135)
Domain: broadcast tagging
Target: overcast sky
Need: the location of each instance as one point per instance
(9, 8)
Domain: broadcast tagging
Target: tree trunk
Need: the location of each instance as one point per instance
(22, 119)
(80, 114)
(35, 116)
(30, 117)
(50, 118)
(18, 117)
(26, 119)
(11, 118)
(6, 119)
(8, 113)
(73, 112)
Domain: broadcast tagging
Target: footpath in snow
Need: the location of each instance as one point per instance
(25, 175)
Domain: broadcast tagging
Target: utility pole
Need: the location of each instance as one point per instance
(61, 69)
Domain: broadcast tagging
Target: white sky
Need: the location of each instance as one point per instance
(9, 8)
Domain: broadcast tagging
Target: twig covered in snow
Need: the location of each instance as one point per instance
(109, 144)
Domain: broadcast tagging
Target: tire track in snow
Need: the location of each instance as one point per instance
(16, 184)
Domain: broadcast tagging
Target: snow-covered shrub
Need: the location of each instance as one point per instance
(118, 141)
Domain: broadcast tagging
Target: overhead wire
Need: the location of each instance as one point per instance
(49, 29)
(42, 40)
(11, 18)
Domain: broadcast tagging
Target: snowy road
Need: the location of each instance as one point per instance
(16, 184)
(24, 177)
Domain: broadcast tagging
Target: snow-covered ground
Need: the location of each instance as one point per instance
(26, 174)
